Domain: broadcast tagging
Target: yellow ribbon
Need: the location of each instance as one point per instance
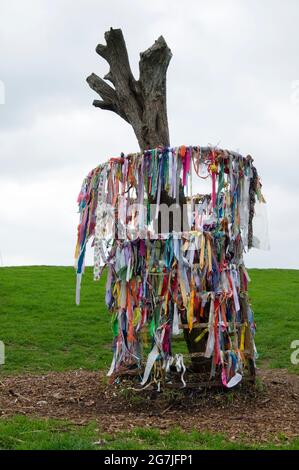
(202, 252)
(183, 289)
(116, 292)
(209, 255)
(137, 316)
(191, 306)
(242, 342)
(77, 250)
(199, 337)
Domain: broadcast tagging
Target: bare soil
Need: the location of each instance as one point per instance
(265, 411)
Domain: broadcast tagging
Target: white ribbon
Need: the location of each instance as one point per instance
(78, 286)
(152, 357)
(180, 367)
(175, 324)
(234, 380)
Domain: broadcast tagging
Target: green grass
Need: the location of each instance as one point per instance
(43, 329)
(274, 295)
(41, 326)
(21, 433)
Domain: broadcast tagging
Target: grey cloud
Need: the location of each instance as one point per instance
(229, 82)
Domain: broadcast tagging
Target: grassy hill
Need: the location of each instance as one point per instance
(43, 329)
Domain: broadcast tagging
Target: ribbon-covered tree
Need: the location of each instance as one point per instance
(143, 104)
(185, 273)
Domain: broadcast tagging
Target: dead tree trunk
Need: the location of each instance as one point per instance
(142, 103)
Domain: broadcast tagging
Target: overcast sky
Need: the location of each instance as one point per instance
(233, 80)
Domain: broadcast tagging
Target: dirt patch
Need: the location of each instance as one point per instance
(269, 409)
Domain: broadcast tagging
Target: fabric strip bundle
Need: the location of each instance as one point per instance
(192, 277)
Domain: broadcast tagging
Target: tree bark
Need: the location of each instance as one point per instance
(142, 103)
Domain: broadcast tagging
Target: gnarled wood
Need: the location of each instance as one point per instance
(141, 102)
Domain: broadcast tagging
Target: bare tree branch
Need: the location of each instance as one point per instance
(108, 95)
(142, 103)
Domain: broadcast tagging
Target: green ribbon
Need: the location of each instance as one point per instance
(115, 325)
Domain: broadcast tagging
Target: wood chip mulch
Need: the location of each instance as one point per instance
(251, 413)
